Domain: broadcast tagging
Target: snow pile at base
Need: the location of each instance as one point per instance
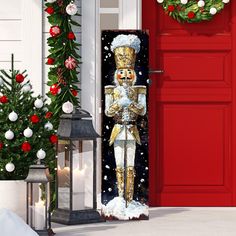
(13, 225)
(117, 208)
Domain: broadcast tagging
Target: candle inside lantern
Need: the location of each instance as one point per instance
(39, 215)
(78, 189)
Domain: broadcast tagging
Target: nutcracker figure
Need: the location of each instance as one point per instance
(125, 101)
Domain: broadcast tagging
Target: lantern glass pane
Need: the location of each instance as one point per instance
(82, 175)
(37, 206)
(63, 174)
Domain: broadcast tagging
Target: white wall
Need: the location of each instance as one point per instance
(21, 34)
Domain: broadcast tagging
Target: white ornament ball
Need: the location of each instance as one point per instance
(9, 135)
(13, 116)
(41, 154)
(225, 1)
(26, 88)
(201, 3)
(38, 103)
(160, 1)
(67, 107)
(48, 126)
(71, 9)
(51, 1)
(184, 1)
(213, 11)
(10, 167)
(28, 133)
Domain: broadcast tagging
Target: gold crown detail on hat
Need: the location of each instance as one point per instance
(125, 57)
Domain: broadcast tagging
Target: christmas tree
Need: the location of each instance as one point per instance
(26, 133)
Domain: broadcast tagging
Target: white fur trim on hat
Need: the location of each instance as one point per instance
(130, 40)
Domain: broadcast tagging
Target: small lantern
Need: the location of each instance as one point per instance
(38, 199)
(76, 191)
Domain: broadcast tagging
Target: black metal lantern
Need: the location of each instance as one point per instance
(76, 170)
(38, 199)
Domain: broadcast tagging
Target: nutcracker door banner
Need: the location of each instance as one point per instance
(125, 125)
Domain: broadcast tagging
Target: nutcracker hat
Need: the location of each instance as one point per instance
(125, 48)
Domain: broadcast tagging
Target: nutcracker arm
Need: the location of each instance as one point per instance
(111, 107)
(139, 107)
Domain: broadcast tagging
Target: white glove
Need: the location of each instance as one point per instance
(124, 101)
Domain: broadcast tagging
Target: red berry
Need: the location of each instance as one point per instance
(55, 89)
(1, 145)
(50, 61)
(26, 147)
(54, 31)
(48, 115)
(71, 36)
(53, 138)
(3, 99)
(74, 92)
(49, 10)
(171, 8)
(191, 15)
(34, 119)
(19, 78)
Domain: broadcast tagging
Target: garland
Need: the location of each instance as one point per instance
(63, 57)
(192, 10)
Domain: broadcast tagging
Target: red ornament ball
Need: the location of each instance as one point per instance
(26, 147)
(34, 119)
(191, 15)
(55, 89)
(171, 8)
(71, 36)
(48, 115)
(1, 145)
(3, 99)
(50, 61)
(53, 138)
(49, 10)
(19, 78)
(54, 31)
(74, 92)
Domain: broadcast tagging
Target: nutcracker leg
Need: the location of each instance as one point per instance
(131, 148)
(130, 184)
(120, 181)
(119, 156)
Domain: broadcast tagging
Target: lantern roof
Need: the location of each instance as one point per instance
(37, 174)
(77, 125)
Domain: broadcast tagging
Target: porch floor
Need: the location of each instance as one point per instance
(164, 221)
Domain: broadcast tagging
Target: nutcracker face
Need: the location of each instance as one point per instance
(126, 77)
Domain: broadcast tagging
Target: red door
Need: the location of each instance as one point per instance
(192, 109)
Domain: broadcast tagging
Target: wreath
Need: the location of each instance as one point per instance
(192, 10)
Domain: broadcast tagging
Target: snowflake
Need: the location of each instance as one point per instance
(106, 48)
(108, 167)
(105, 177)
(142, 180)
(140, 73)
(110, 189)
(107, 127)
(146, 168)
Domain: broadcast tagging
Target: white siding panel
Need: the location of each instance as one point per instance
(10, 29)
(9, 47)
(10, 9)
(4, 65)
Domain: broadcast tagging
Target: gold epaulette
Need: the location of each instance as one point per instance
(109, 89)
(141, 89)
